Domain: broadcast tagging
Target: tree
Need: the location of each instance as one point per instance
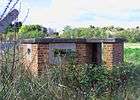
(129, 34)
(90, 32)
(11, 29)
(31, 31)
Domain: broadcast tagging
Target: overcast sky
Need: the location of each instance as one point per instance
(58, 13)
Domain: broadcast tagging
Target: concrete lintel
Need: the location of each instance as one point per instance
(65, 40)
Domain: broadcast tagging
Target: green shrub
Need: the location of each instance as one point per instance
(74, 82)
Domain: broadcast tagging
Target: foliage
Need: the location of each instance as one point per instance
(34, 31)
(129, 34)
(12, 29)
(25, 31)
(83, 32)
(71, 82)
(31, 31)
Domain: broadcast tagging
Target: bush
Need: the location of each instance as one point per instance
(75, 82)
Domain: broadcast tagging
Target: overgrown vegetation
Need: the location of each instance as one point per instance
(35, 31)
(25, 31)
(129, 34)
(71, 82)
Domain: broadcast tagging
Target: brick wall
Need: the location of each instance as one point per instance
(34, 59)
(83, 53)
(88, 53)
(39, 57)
(43, 56)
(30, 64)
(112, 54)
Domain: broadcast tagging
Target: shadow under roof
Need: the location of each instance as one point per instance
(66, 40)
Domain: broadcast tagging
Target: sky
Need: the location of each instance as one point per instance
(59, 13)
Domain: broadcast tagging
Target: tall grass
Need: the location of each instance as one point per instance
(71, 82)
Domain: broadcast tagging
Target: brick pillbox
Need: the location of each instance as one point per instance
(39, 53)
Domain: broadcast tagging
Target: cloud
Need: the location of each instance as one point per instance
(94, 5)
(84, 12)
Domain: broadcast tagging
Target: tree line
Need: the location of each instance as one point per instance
(129, 34)
(35, 31)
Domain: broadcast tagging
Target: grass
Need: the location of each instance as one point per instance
(132, 53)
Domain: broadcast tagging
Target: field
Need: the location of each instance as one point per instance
(132, 45)
(132, 53)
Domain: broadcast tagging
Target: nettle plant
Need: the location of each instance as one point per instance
(92, 81)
